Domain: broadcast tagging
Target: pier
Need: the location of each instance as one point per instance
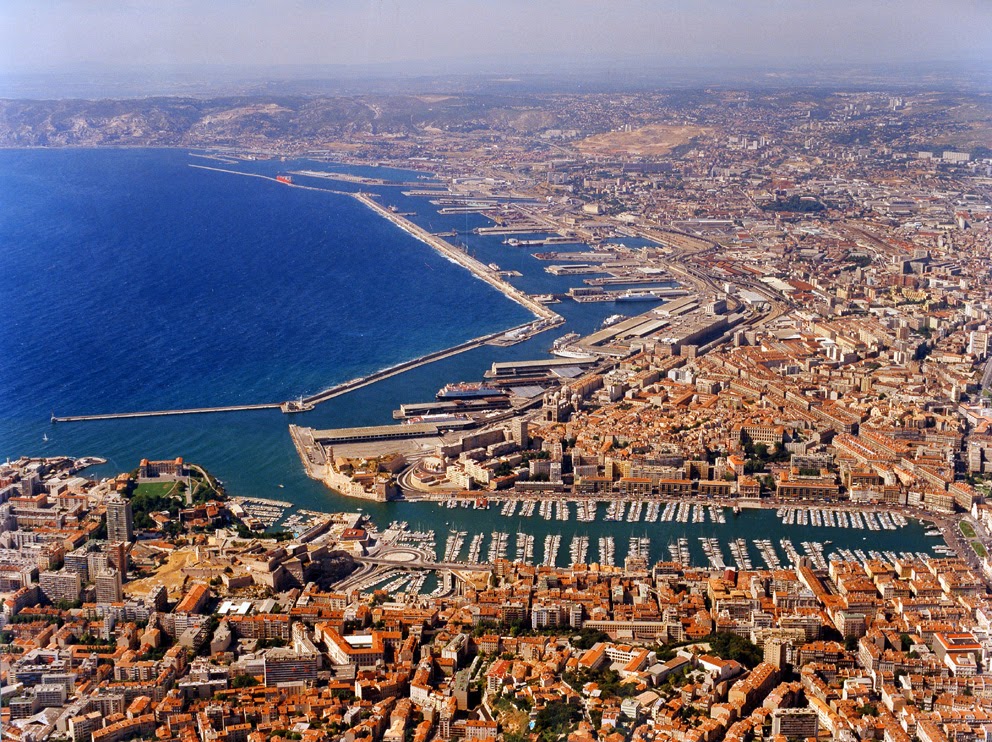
(515, 229)
(348, 178)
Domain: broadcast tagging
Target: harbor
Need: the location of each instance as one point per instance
(605, 535)
(259, 513)
(545, 318)
(421, 555)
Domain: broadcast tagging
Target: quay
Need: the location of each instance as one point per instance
(515, 229)
(164, 413)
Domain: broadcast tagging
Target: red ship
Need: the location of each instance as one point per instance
(285, 179)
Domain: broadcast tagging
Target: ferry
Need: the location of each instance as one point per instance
(564, 340)
(469, 390)
(613, 319)
(561, 348)
(576, 354)
(636, 296)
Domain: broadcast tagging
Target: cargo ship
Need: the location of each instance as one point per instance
(469, 390)
(287, 179)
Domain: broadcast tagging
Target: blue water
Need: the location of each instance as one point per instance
(133, 281)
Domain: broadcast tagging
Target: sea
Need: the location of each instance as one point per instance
(135, 279)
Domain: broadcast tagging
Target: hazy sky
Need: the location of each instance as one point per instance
(58, 34)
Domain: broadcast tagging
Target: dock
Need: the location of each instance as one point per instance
(348, 178)
(515, 229)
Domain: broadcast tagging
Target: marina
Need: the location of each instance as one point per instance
(589, 531)
(789, 534)
(259, 513)
(554, 532)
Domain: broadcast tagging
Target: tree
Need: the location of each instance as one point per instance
(502, 469)
(733, 647)
(556, 719)
(587, 637)
(244, 681)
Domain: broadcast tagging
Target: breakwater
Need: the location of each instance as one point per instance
(350, 386)
(545, 319)
(476, 267)
(163, 413)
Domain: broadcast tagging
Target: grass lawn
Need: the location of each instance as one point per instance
(159, 489)
(979, 549)
(966, 529)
